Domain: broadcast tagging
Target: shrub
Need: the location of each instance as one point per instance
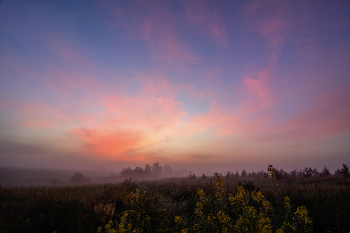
(79, 178)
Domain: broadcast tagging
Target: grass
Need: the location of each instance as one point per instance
(171, 205)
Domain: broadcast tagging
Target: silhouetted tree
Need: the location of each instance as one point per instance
(203, 176)
(344, 171)
(237, 174)
(265, 175)
(156, 169)
(243, 173)
(147, 171)
(280, 173)
(294, 173)
(79, 178)
(315, 172)
(228, 174)
(137, 172)
(126, 172)
(325, 171)
(260, 174)
(167, 171)
(307, 172)
(192, 176)
(216, 174)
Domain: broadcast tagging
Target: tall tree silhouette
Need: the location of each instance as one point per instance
(156, 169)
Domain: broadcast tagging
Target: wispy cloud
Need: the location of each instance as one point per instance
(184, 82)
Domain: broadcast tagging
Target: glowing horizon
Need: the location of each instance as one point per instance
(202, 84)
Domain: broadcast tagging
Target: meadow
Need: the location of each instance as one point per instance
(208, 204)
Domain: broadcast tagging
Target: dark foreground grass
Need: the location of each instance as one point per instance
(85, 208)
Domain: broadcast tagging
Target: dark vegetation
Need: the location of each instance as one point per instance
(83, 208)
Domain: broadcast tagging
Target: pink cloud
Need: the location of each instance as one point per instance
(327, 114)
(257, 115)
(271, 20)
(208, 20)
(133, 122)
(157, 28)
(259, 87)
(110, 143)
(268, 18)
(173, 51)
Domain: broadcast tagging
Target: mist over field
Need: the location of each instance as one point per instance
(184, 116)
(202, 86)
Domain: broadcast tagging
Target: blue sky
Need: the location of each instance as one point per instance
(195, 84)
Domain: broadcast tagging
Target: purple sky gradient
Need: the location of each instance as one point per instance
(201, 85)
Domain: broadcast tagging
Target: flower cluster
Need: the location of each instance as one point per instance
(108, 228)
(272, 172)
(257, 196)
(237, 201)
(302, 218)
(287, 202)
(245, 211)
(178, 220)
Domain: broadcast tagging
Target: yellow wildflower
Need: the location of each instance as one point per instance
(211, 217)
(200, 192)
(196, 227)
(287, 227)
(287, 202)
(199, 208)
(267, 205)
(221, 216)
(199, 205)
(257, 196)
(219, 183)
(178, 220)
(301, 213)
(264, 224)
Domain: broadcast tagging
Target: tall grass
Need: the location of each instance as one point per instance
(83, 208)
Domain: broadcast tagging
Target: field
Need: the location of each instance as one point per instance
(234, 204)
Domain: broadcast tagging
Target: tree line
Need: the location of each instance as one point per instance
(306, 173)
(157, 171)
(148, 172)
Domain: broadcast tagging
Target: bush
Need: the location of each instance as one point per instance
(79, 178)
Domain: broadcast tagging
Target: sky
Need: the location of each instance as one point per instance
(201, 85)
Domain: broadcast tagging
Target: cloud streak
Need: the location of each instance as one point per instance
(185, 82)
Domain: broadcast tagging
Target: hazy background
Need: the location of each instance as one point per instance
(199, 85)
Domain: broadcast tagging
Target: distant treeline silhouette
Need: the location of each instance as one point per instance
(306, 173)
(149, 172)
(157, 171)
